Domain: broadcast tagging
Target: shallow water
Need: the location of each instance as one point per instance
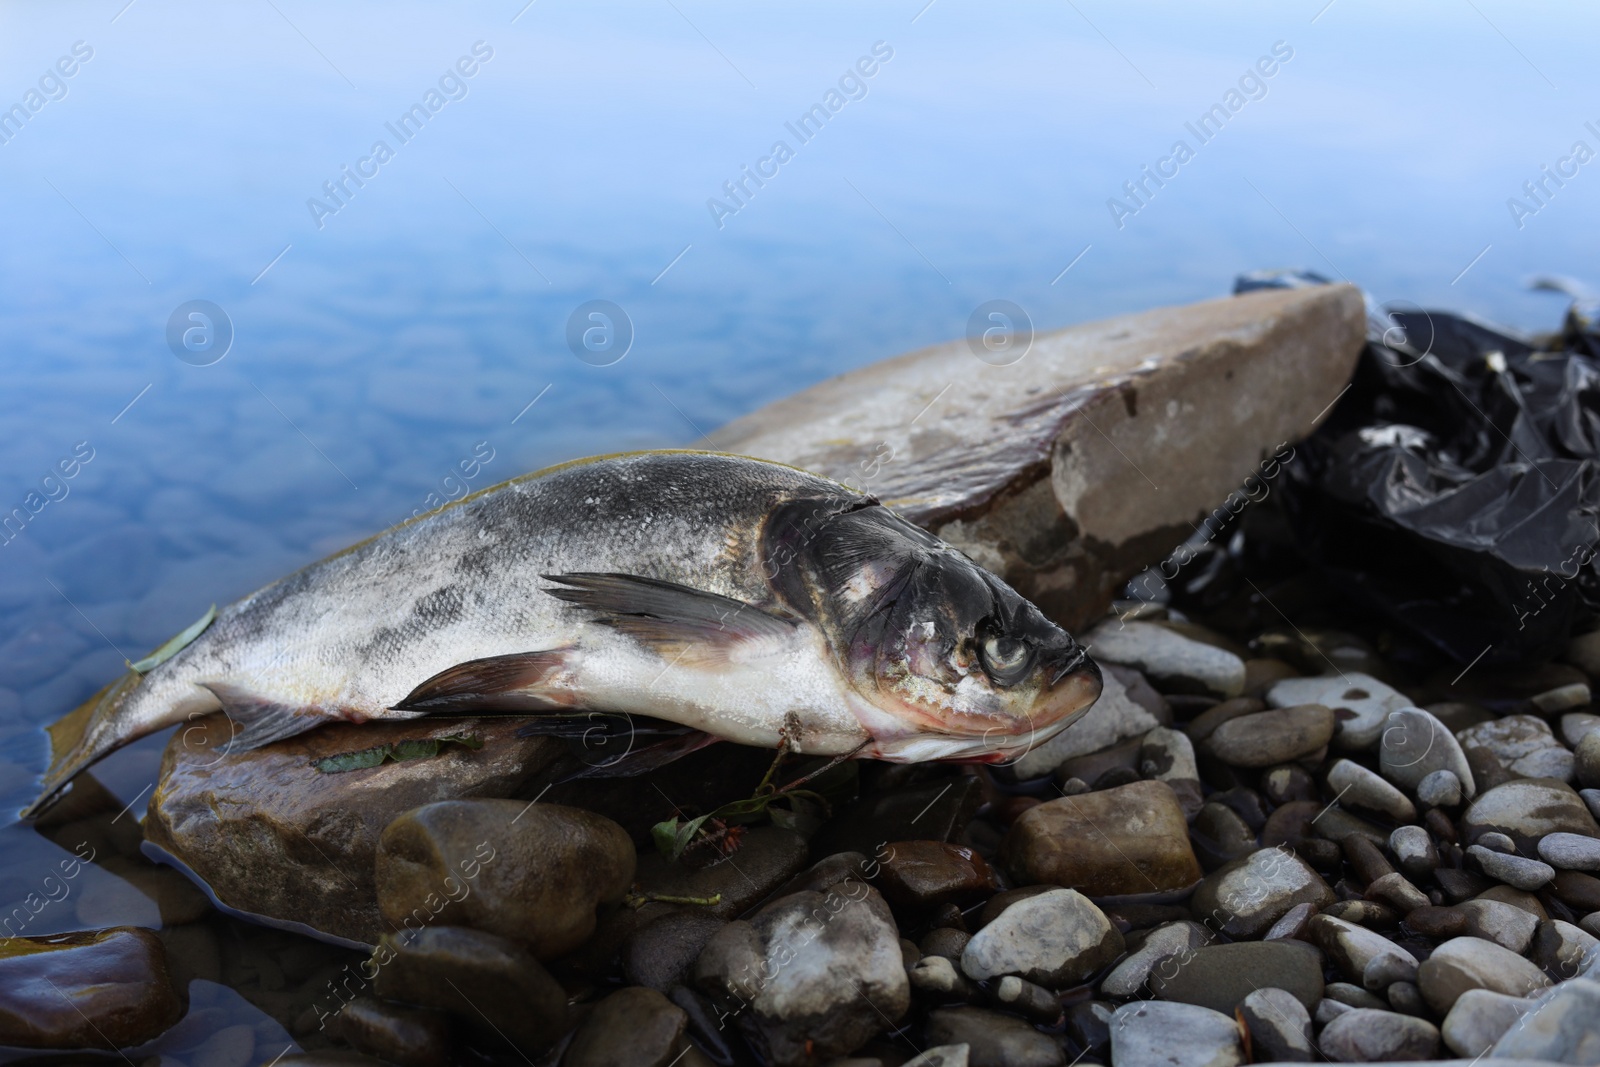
(378, 346)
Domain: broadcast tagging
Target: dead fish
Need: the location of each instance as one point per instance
(752, 601)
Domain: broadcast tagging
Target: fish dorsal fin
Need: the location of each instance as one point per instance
(676, 621)
(519, 682)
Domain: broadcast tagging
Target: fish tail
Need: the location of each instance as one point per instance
(83, 736)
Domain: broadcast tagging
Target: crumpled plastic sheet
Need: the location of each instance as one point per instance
(1455, 487)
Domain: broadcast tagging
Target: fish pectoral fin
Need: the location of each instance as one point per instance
(260, 720)
(676, 621)
(519, 682)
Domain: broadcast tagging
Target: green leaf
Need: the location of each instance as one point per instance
(352, 761)
(175, 645)
(665, 835)
(399, 751)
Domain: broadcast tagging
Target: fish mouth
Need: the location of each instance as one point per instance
(1075, 684)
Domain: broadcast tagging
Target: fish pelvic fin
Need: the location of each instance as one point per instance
(258, 720)
(80, 738)
(679, 623)
(517, 683)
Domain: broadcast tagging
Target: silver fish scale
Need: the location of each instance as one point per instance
(360, 629)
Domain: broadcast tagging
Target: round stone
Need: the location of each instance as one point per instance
(1053, 939)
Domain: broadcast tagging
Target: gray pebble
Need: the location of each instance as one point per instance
(1353, 996)
(1174, 939)
(1479, 1018)
(1559, 948)
(1496, 841)
(1359, 787)
(1586, 760)
(1385, 970)
(1174, 1035)
(1562, 1027)
(1414, 849)
(1368, 1035)
(1575, 726)
(1440, 789)
(1561, 698)
(1171, 660)
(1505, 924)
(1415, 745)
(1515, 871)
(1279, 1025)
(1570, 852)
(1591, 798)
(1406, 998)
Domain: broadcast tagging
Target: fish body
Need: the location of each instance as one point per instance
(749, 600)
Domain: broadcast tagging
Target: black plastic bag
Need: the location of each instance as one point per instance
(1455, 487)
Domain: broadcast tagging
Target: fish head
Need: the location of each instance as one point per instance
(945, 660)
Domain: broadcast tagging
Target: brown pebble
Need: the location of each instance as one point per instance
(1437, 923)
(1290, 823)
(1578, 891)
(1287, 783)
(1207, 721)
(1395, 889)
(1007, 809)
(1459, 885)
(1439, 824)
(925, 874)
(1517, 898)
(1246, 803)
(1368, 859)
(1324, 855)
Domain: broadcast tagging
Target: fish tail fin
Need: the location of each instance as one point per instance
(81, 737)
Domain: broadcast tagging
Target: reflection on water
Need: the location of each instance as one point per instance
(276, 277)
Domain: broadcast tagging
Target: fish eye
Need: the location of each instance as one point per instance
(1006, 658)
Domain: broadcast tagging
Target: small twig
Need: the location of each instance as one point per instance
(639, 900)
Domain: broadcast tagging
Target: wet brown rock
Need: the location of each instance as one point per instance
(96, 989)
(1577, 890)
(229, 816)
(534, 873)
(407, 1037)
(1027, 472)
(1132, 839)
(632, 1026)
(1270, 737)
(925, 874)
(660, 954)
(488, 983)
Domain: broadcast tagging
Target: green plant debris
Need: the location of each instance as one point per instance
(175, 645)
(398, 751)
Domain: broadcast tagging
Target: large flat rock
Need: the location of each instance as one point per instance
(1094, 455)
